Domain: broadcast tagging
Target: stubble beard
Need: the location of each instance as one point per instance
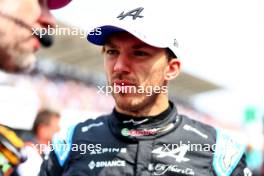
(23, 62)
(135, 104)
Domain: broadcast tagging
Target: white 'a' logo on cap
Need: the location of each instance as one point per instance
(135, 13)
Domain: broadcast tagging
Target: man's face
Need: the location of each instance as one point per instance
(54, 127)
(17, 43)
(47, 131)
(131, 62)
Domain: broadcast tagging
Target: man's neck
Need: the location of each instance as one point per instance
(153, 109)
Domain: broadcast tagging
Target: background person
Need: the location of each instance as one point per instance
(47, 123)
(17, 18)
(45, 126)
(18, 45)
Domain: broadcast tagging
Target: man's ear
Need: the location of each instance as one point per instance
(173, 69)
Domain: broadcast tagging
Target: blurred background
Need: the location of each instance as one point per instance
(221, 49)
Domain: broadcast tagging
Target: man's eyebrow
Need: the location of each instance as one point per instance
(110, 44)
(139, 46)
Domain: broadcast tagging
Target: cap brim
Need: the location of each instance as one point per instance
(56, 4)
(106, 31)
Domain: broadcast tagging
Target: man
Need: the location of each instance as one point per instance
(144, 135)
(17, 20)
(45, 126)
(17, 48)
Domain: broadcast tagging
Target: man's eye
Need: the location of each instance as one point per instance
(111, 52)
(141, 53)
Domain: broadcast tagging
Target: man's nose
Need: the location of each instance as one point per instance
(122, 64)
(46, 19)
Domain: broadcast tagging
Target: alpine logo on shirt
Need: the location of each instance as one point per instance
(178, 153)
(108, 150)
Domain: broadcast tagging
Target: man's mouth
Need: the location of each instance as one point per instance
(123, 83)
(124, 87)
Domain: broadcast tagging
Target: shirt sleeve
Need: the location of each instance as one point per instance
(229, 156)
(59, 155)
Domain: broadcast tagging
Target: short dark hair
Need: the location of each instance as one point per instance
(170, 54)
(43, 118)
